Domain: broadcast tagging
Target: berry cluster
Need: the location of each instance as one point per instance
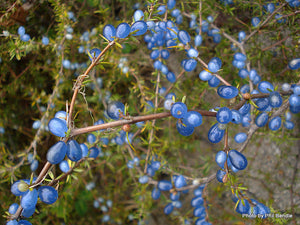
(255, 103)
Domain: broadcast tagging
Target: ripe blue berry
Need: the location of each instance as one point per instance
(138, 15)
(178, 110)
(95, 52)
(25, 37)
(205, 75)
(109, 32)
(57, 152)
(243, 208)
(114, 109)
(294, 64)
(237, 159)
(64, 166)
(200, 212)
(13, 208)
(21, 30)
(184, 129)
(30, 199)
(168, 208)
(190, 65)
(220, 175)
(138, 28)
(192, 118)
(74, 152)
(220, 159)
(224, 115)
(180, 182)
(240, 137)
(275, 123)
(265, 87)
(164, 185)
(255, 21)
(275, 99)
(144, 179)
(58, 127)
(45, 40)
(227, 92)
(94, 152)
(184, 37)
(122, 30)
(48, 194)
(155, 193)
(197, 201)
(215, 134)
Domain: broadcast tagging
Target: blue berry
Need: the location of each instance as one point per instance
(161, 10)
(200, 212)
(30, 199)
(243, 208)
(94, 152)
(240, 137)
(275, 123)
(243, 73)
(255, 21)
(184, 129)
(213, 66)
(215, 134)
(64, 166)
(122, 30)
(178, 110)
(198, 40)
(236, 117)
(224, 115)
(109, 32)
(138, 28)
(262, 119)
(220, 159)
(214, 82)
(240, 56)
(289, 125)
(220, 175)
(265, 87)
(168, 208)
(190, 65)
(21, 30)
(192, 118)
(48, 194)
(58, 127)
(57, 152)
(74, 151)
(34, 165)
(294, 64)
(275, 99)
(95, 52)
(114, 109)
(180, 182)
(197, 201)
(237, 159)
(144, 179)
(138, 15)
(45, 40)
(164, 185)
(13, 208)
(25, 37)
(155, 193)
(184, 37)
(205, 75)
(171, 4)
(227, 92)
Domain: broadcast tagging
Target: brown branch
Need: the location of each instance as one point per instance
(81, 78)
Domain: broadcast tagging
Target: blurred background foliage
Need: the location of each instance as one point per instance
(29, 73)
